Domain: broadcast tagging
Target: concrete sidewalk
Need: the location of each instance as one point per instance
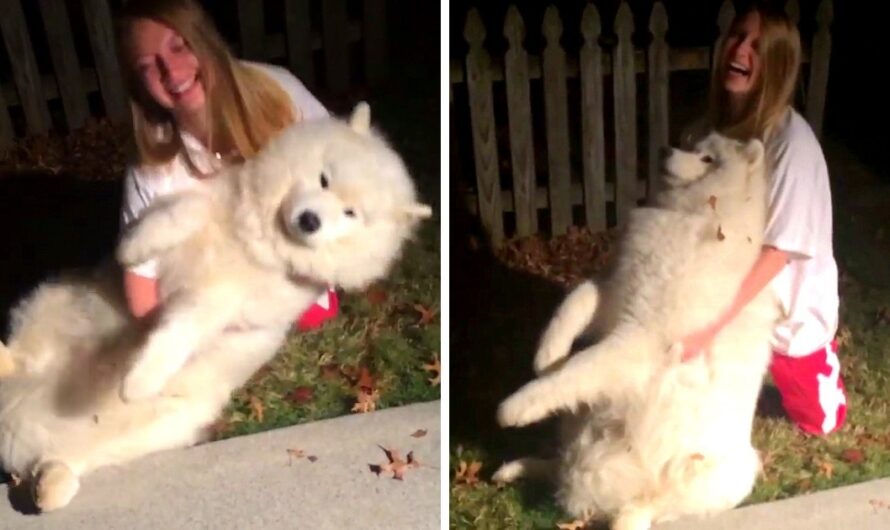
(250, 482)
(863, 506)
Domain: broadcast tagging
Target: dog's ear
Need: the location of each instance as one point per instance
(416, 212)
(360, 121)
(753, 151)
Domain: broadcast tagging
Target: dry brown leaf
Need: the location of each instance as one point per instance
(426, 315)
(826, 468)
(256, 408)
(712, 202)
(467, 474)
(366, 401)
(419, 433)
(312, 458)
(395, 464)
(720, 236)
(376, 295)
(436, 368)
(300, 395)
(852, 456)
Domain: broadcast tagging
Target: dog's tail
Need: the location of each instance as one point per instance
(164, 225)
(571, 318)
(542, 469)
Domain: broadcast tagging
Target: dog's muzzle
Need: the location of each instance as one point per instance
(309, 222)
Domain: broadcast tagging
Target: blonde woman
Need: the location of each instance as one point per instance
(751, 95)
(196, 108)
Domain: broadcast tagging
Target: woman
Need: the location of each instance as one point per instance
(195, 108)
(751, 95)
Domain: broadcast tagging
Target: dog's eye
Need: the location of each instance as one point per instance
(349, 212)
(707, 159)
(324, 181)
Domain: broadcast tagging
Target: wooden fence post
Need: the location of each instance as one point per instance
(556, 117)
(65, 63)
(484, 134)
(520, 119)
(335, 25)
(592, 135)
(374, 35)
(625, 92)
(24, 66)
(658, 93)
(821, 53)
(99, 25)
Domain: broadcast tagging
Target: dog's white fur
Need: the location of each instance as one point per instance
(651, 437)
(85, 387)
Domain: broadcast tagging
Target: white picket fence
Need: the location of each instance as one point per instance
(589, 186)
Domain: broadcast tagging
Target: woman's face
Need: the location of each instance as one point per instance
(167, 67)
(741, 58)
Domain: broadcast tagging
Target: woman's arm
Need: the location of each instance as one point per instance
(767, 266)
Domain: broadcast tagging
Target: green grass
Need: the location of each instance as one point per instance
(794, 464)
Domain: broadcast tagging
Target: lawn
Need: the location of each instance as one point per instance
(491, 357)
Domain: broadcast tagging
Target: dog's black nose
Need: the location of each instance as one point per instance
(664, 151)
(309, 222)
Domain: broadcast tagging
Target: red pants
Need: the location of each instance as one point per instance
(812, 389)
(324, 309)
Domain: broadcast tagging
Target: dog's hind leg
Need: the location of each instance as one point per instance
(544, 469)
(634, 517)
(571, 318)
(54, 485)
(621, 363)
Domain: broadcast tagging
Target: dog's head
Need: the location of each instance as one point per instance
(714, 155)
(330, 201)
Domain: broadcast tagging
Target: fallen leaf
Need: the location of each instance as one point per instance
(720, 236)
(294, 453)
(365, 379)
(419, 433)
(852, 456)
(376, 295)
(826, 468)
(395, 464)
(256, 408)
(436, 368)
(426, 315)
(467, 473)
(312, 458)
(712, 201)
(366, 401)
(300, 395)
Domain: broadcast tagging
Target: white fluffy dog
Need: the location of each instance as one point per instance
(325, 203)
(651, 437)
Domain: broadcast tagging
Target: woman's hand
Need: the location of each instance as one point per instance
(698, 342)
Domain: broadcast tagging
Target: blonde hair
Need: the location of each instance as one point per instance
(773, 92)
(245, 108)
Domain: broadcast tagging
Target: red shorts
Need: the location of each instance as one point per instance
(812, 389)
(324, 309)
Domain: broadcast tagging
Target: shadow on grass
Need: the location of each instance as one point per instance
(51, 223)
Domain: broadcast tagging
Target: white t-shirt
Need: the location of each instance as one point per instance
(800, 223)
(144, 184)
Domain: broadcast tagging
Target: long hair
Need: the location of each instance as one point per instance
(773, 91)
(245, 108)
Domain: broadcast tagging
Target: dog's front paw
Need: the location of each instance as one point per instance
(522, 408)
(549, 353)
